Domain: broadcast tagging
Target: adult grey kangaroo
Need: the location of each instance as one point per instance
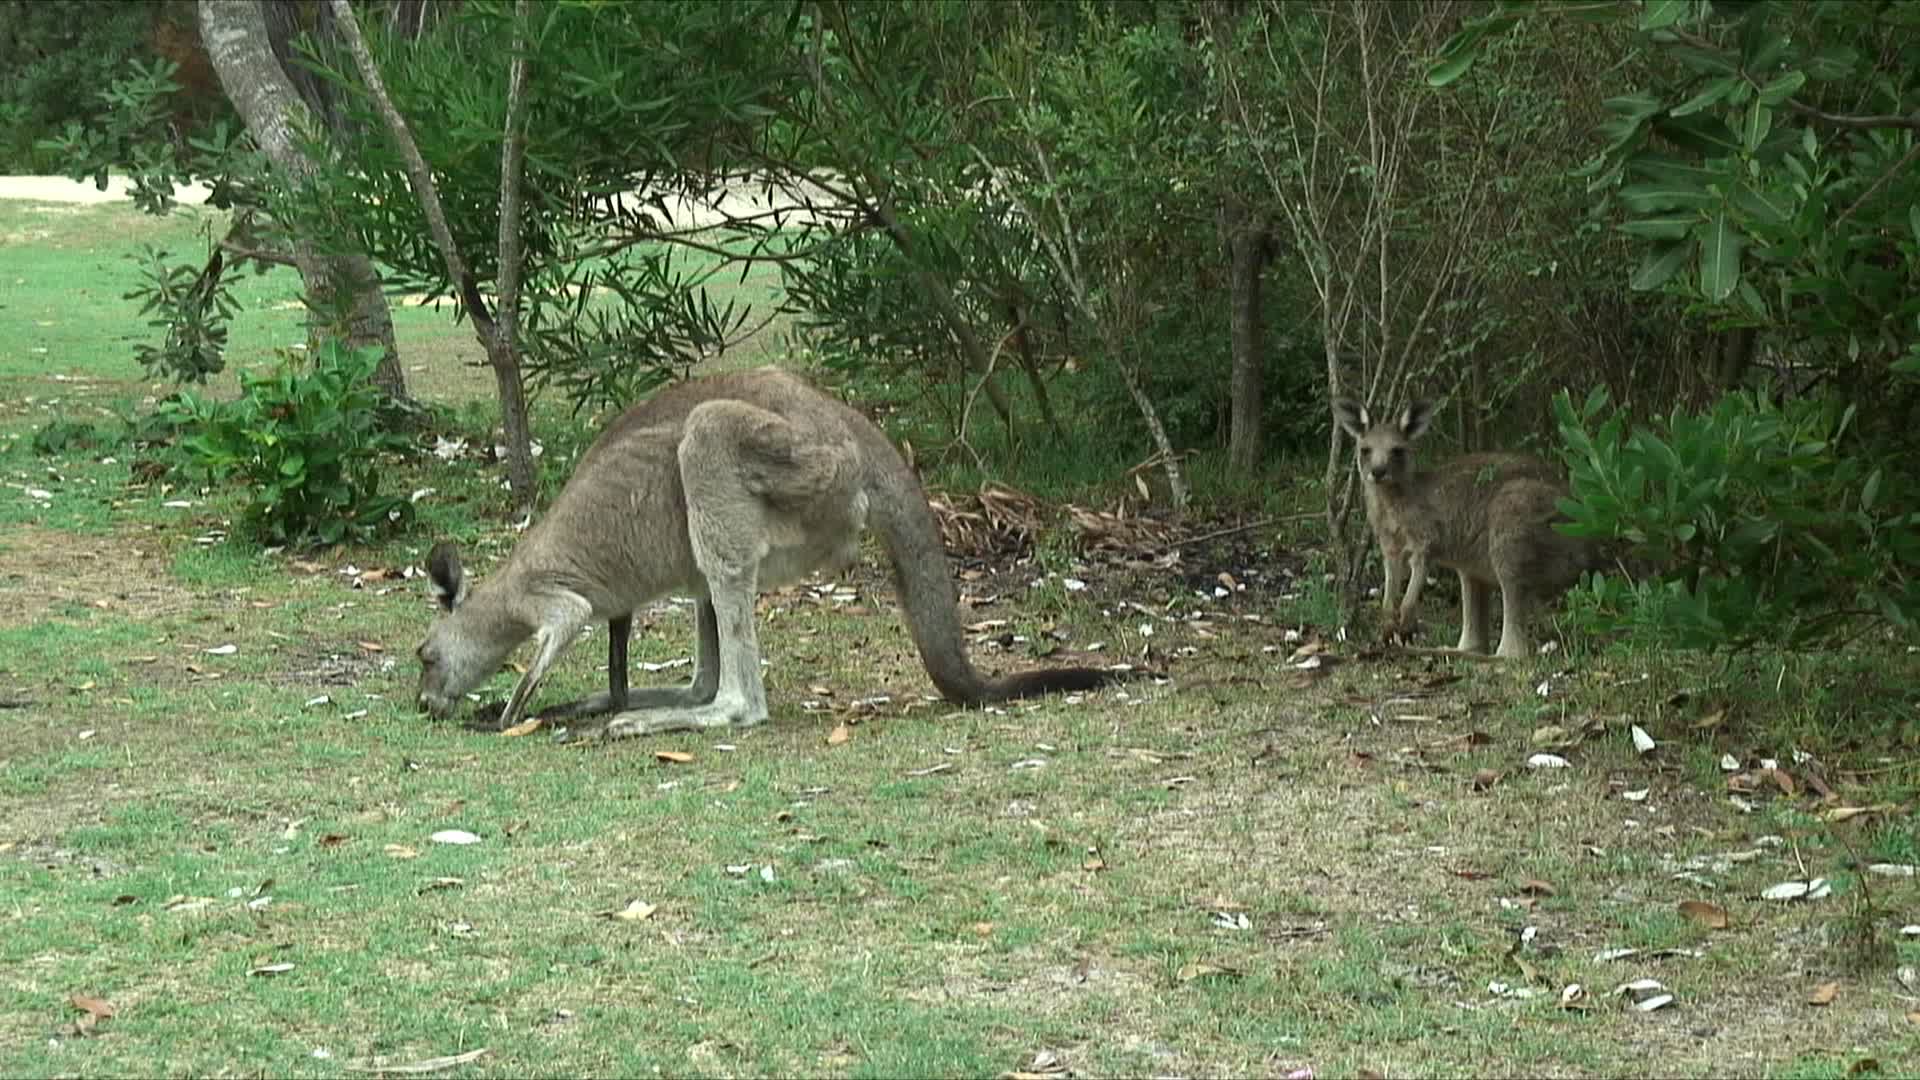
(718, 488)
(1487, 517)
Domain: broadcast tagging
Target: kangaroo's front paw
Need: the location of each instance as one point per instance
(487, 717)
(580, 734)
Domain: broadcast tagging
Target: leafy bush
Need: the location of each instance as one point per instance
(193, 310)
(1756, 523)
(306, 444)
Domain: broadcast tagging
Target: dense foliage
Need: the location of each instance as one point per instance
(1070, 228)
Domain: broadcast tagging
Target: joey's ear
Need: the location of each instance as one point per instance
(1351, 416)
(1415, 419)
(446, 576)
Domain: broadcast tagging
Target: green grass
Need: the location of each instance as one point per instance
(173, 820)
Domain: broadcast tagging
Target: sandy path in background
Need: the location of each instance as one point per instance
(59, 189)
(739, 199)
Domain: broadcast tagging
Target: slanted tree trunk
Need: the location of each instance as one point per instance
(1249, 247)
(240, 46)
(497, 328)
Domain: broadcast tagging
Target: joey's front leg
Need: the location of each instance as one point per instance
(1405, 622)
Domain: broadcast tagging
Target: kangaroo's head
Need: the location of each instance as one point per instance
(466, 644)
(1383, 446)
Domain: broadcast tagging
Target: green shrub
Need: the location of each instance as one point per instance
(1755, 522)
(306, 443)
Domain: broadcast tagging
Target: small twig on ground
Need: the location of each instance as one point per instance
(1262, 523)
(415, 1068)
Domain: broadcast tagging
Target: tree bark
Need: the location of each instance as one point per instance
(1733, 356)
(240, 47)
(1249, 247)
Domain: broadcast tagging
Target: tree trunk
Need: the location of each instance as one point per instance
(1249, 246)
(1733, 356)
(344, 290)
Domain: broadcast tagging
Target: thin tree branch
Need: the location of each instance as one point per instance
(419, 177)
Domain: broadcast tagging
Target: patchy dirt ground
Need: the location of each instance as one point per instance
(43, 571)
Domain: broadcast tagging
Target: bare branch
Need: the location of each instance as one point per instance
(418, 175)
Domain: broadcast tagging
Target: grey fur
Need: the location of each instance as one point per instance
(1487, 517)
(719, 488)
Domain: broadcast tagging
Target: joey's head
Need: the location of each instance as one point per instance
(464, 645)
(1383, 445)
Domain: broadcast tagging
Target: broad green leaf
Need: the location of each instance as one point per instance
(1760, 206)
(1708, 96)
(1674, 171)
(1446, 71)
(1762, 46)
(1646, 198)
(1913, 220)
(1639, 106)
(1660, 13)
(1755, 125)
(1870, 490)
(1704, 61)
(1705, 135)
(1720, 246)
(1782, 88)
(1672, 227)
(1659, 266)
(1833, 64)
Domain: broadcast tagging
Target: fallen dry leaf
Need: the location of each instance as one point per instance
(1191, 972)
(414, 1068)
(1711, 916)
(525, 727)
(266, 970)
(635, 911)
(400, 851)
(1782, 780)
(98, 1008)
(1536, 887)
(1046, 1065)
(1824, 994)
(841, 733)
(1484, 779)
(332, 839)
(1642, 742)
(1817, 889)
(673, 757)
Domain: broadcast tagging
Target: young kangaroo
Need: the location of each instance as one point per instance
(1487, 517)
(717, 488)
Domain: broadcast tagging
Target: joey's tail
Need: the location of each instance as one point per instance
(898, 511)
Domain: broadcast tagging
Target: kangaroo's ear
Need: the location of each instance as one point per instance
(446, 576)
(1351, 416)
(1416, 418)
